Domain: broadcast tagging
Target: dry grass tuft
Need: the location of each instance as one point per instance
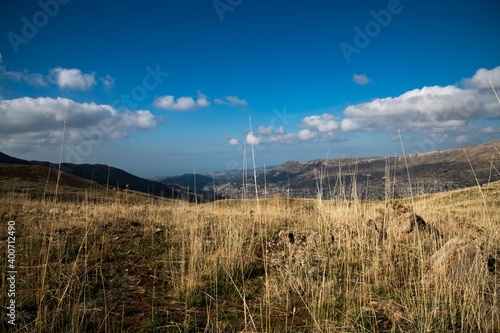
(123, 263)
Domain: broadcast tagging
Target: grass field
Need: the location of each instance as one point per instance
(103, 261)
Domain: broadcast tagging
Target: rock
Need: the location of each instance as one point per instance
(456, 261)
(396, 313)
(375, 232)
(54, 211)
(332, 237)
(492, 264)
(460, 265)
(406, 223)
(400, 222)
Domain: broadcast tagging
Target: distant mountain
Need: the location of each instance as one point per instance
(208, 180)
(11, 160)
(118, 178)
(374, 177)
(367, 178)
(188, 181)
(40, 174)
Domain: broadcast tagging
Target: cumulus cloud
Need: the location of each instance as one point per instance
(234, 142)
(306, 134)
(448, 110)
(72, 78)
(202, 100)
(252, 139)
(64, 78)
(490, 130)
(31, 124)
(32, 79)
(108, 81)
(323, 123)
(428, 107)
(169, 102)
(461, 139)
(482, 78)
(318, 128)
(361, 79)
(231, 100)
(441, 113)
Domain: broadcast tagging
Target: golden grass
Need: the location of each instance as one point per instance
(131, 264)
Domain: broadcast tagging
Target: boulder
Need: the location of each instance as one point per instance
(400, 222)
(456, 261)
(461, 266)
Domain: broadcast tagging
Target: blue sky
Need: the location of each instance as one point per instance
(163, 87)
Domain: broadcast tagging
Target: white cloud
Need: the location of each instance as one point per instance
(234, 142)
(72, 78)
(264, 130)
(480, 84)
(437, 112)
(315, 129)
(31, 124)
(429, 107)
(324, 123)
(461, 139)
(169, 102)
(32, 79)
(252, 139)
(202, 99)
(490, 130)
(306, 134)
(271, 135)
(361, 79)
(440, 113)
(63, 78)
(481, 79)
(108, 81)
(231, 100)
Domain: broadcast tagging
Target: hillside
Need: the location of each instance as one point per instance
(286, 265)
(188, 181)
(372, 178)
(369, 178)
(98, 173)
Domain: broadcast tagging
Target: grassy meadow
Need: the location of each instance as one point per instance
(105, 261)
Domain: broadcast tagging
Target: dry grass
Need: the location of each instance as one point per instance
(131, 264)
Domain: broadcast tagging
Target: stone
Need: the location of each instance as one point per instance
(456, 261)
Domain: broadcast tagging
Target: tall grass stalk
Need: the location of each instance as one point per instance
(254, 167)
(60, 161)
(117, 265)
(492, 87)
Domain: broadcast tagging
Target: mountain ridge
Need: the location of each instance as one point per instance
(375, 178)
(431, 171)
(368, 178)
(113, 177)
